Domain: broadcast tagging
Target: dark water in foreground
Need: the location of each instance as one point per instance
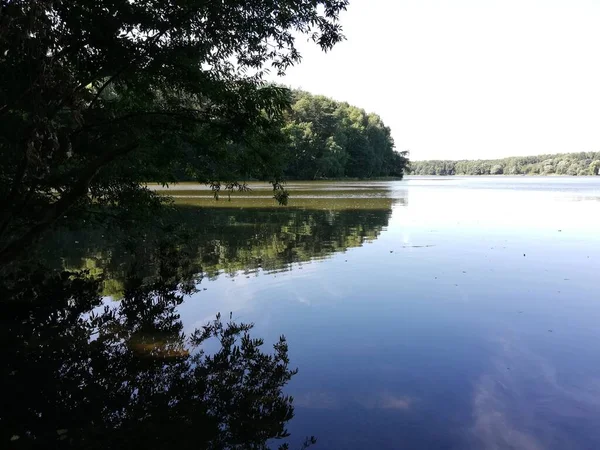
(464, 315)
(446, 313)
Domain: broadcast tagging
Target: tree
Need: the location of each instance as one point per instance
(562, 166)
(582, 163)
(496, 170)
(99, 96)
(329, 139)
(573, 169)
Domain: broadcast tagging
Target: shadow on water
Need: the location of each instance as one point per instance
(82, 371)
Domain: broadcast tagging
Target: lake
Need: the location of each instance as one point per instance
(443, 312)
(429, 313)
(447, 313)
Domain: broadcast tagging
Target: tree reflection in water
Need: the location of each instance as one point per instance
(210, 241)
(82, 371)
(78, 373)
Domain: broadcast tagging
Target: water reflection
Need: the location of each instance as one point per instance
(81, 370)
(464, 319)
(436, 334)
(217, 240)
(77, 373)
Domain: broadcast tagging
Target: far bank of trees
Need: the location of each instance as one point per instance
(331, 139)
(583, 163)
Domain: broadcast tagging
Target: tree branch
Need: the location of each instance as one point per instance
(57, 209)
(109, 81)
(186, 114)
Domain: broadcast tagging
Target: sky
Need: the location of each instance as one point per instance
(467, 78)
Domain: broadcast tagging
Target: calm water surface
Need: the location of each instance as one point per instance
(449, 313)
(431, 313)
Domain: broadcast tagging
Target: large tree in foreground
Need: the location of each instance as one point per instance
(97, 96)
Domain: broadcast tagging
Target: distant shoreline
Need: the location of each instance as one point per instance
(500, 175)
(157, 186)
(569, 164)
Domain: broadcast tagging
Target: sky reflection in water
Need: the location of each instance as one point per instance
(469, 322)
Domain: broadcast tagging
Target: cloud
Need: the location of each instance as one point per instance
(494, 427)
(332, 400)
(316, 400)
(385, 400)
(391, 402)
(523, 403)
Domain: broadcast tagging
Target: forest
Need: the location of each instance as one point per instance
(330, 139)
(574, 164)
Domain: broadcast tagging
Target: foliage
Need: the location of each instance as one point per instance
(330, 139)
(584, 163)
(97, 96)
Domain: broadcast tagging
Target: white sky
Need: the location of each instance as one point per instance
(468, 78)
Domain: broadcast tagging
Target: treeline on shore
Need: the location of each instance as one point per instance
(583, 163)
(325, 138)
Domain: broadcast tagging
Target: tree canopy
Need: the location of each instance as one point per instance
(583, 163)
(331, 139)
(97, 96)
